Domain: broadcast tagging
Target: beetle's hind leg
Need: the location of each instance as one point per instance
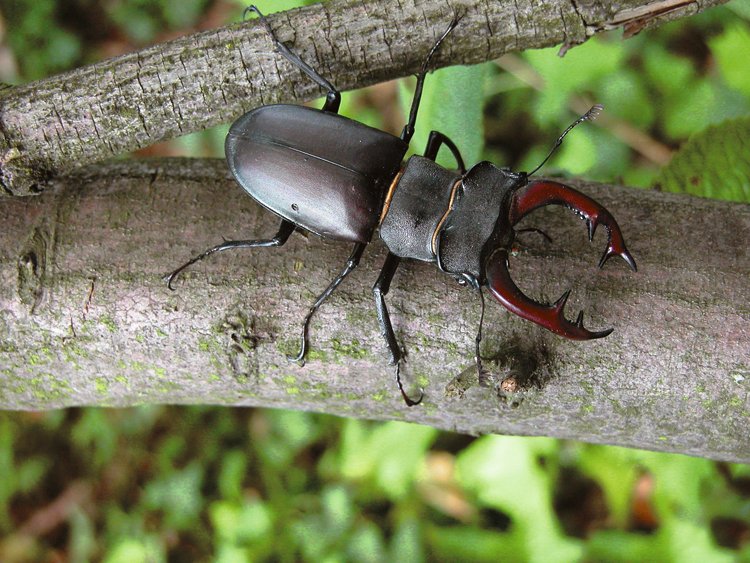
(285, 229)
(333, 96)
(351, 263)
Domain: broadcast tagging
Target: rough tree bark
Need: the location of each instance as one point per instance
(205, 79)
(87, 320)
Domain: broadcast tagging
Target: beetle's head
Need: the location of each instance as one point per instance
(475, 244)
(478, 222)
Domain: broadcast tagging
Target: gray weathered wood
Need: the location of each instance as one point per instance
(85, 318)
(209, 78)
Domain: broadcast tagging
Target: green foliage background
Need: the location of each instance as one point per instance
(232, 485)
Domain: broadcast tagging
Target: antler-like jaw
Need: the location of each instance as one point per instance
(503, 288)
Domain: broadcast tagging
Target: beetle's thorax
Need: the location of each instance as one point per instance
(438, 215)
(414, 206)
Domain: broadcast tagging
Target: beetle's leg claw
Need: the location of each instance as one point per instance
(300, 357)
(540, 193)
(408, 400)
(551, 317)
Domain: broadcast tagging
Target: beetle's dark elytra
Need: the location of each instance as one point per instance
(321, 171)
(324, 173)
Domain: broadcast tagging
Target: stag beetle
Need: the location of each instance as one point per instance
(340, 179)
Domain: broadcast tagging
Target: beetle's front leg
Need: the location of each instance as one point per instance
(380, 290)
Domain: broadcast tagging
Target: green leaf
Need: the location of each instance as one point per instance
(673, 83)
(615, 546)
(132, 550)
(338, 509)
(241, 524)
(178, 496)
(467, 543)
(290, 432)
(406, 543)
(390, 455)
(712, 163)
(595, 60)
(365, 544)
(679, 485)
(505, 472)
(740, 7)
(616, 472)
(578, 154)
(400, 449)
(83, 540)
(232, 473)
(182, 13)
(690, 541)
(624, 95)
(725, 47)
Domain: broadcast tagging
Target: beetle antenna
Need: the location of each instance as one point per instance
(590, 115)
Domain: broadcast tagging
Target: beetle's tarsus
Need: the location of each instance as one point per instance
(285, 230)
(351, 264)
(169, 278)
(436, 46)
(300, 357)
(408, 400)
(333, 97)
(263, 20)
(408, 131)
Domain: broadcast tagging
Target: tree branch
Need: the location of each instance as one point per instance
(86, 319)
(201, 80)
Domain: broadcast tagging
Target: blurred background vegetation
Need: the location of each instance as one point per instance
(165, 483)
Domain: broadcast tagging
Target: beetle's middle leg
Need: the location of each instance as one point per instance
(351, 263)
(438, 139)
(333, 96)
